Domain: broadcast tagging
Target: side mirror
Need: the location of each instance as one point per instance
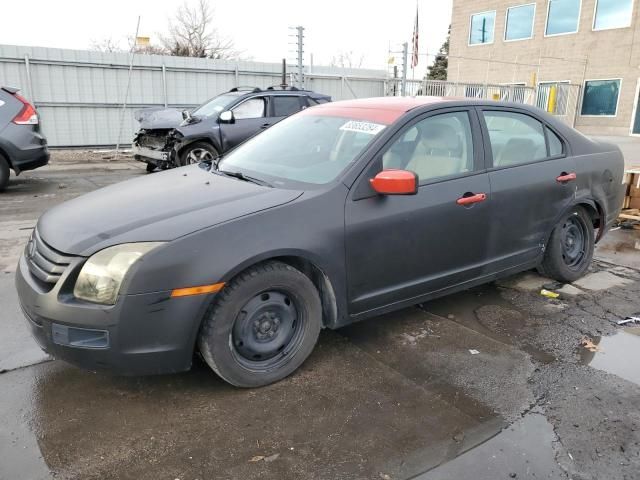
(186, 114)
(226, 117)
(395, 182)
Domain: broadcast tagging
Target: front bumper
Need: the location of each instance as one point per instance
(150, 153)
(146, 334)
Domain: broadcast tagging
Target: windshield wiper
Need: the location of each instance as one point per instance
(246, 178)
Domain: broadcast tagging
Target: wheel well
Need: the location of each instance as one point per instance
(322, 283)
(203, 140)
(597, 215)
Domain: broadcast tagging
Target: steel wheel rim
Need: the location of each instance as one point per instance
(198, 155)
(573, 240)
(267, 330)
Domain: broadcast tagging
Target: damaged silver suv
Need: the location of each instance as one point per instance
(168, 138)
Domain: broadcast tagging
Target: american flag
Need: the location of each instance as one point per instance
(414, 57)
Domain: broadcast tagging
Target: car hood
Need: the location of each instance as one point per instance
(158, 117)
(158, 207)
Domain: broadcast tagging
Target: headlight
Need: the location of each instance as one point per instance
(101, 276)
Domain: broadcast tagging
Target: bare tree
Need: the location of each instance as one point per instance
(192, 34)
(347, 59)
(106, 45)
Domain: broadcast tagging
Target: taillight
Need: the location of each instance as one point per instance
(27, 115)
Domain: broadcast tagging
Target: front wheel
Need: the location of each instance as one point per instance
(263, 325)
(197, 152)
(570, 248)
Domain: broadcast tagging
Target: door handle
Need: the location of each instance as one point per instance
(470, 199)
(265, 125)
(566, 177)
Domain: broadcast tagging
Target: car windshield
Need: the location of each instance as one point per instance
(214, 106)
(312, 149)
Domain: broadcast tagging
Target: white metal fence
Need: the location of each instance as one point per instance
(557, 98)
(79, 94)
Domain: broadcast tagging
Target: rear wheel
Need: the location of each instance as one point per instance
(4, 173)
(570, 248)
(197, 152)
(262, 326)
(150, 167)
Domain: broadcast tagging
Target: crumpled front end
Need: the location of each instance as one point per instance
(155, 146)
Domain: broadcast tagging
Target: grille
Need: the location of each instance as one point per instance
(155, 141)
(45, 263)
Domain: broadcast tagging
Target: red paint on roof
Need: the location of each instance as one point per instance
(385, 110)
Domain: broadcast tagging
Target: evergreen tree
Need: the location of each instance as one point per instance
(438, 71)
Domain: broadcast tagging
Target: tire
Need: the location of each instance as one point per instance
(570, 249)
(5, 173)
(151, 167)
(197, 152)
(262, 326)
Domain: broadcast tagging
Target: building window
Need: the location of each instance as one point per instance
(481, 28)
(601, 97)
(563, 16)
(612, 14)
(520, 22)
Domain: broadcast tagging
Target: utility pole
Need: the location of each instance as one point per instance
(405, 54)
(300, 56)
(132, 53)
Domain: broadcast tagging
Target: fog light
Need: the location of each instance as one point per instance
(79, 337)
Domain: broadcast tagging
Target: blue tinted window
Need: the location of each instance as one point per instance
(613, 14)
(563, 16)
(519, 22)
(482, 25)
(600, 97)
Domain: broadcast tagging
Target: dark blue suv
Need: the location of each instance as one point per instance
(168, 138)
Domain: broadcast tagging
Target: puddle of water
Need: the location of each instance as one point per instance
(618, 354)
(523, 450)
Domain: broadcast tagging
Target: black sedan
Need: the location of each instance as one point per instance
(338, 213)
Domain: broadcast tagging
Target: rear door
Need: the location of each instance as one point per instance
(531, 173)
(402, 247)
(284, 105)
(250, 117)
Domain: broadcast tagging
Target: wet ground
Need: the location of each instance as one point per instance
(490, 383)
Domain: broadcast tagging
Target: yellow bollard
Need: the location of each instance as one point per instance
(553, 95)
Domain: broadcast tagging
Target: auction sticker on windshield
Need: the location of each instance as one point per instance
(362, 127)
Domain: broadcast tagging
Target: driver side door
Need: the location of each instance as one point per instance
(249, 118)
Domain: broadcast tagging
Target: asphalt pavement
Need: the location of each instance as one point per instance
(490, 383)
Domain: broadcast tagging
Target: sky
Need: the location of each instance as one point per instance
(258, 28)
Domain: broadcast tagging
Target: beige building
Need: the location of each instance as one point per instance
(589, 50)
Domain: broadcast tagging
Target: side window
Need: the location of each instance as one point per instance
(555, 144)
(285, 106)
(437, 146)
(252, 108)
(515, 138)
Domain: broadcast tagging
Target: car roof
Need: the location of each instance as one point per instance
(384, 110)
(387, 110)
